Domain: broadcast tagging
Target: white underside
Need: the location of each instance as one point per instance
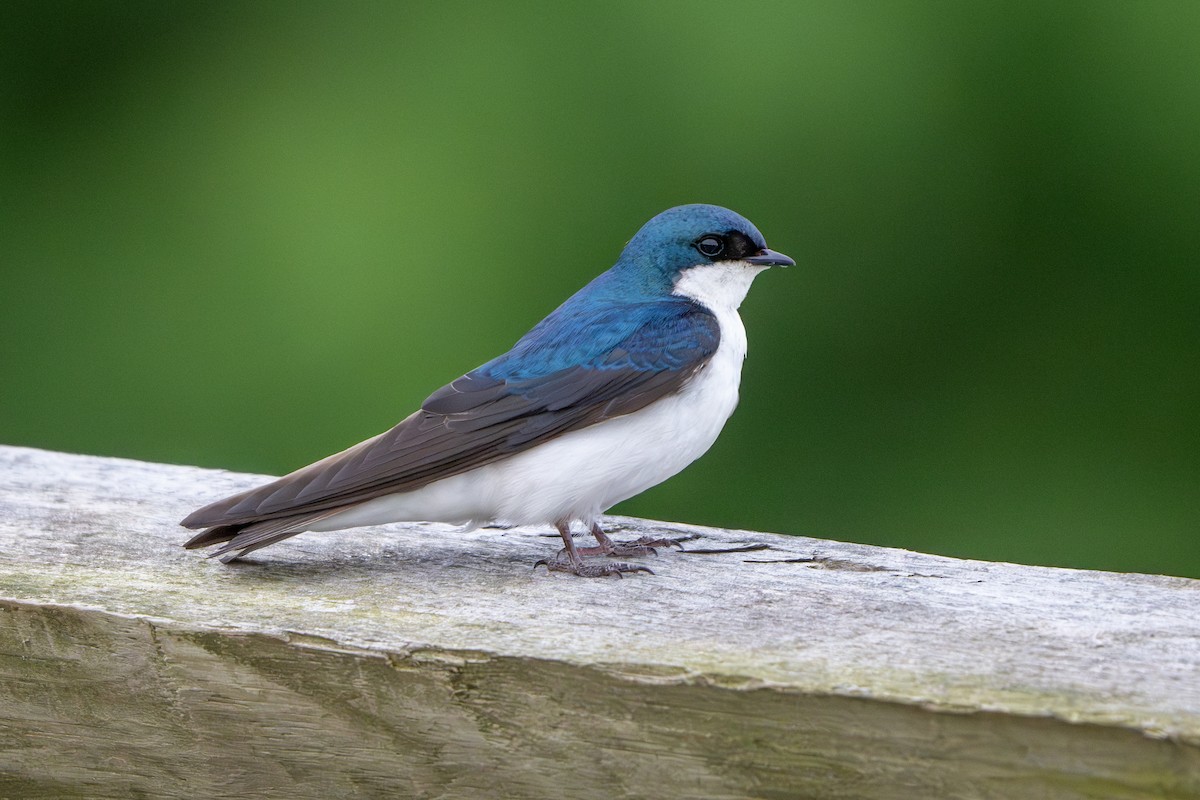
(580, 475)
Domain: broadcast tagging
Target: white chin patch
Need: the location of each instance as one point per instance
(718, 286)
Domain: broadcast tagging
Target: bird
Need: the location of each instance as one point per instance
(627, 382)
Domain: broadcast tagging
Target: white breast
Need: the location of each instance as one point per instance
(582, 474)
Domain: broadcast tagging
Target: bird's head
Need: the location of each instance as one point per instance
(685, 237)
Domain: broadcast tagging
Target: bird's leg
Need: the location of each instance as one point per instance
(575, 565)
(638, 547)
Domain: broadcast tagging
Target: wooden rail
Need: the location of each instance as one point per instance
(418, 661)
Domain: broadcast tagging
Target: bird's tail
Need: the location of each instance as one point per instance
(240, 539)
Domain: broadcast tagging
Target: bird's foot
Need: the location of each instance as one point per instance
(645, 546)
(585, 569)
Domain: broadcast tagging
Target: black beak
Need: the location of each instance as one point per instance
(769, 258)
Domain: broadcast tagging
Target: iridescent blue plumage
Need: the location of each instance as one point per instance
(630, 306)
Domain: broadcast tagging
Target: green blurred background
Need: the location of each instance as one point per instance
(246, 235)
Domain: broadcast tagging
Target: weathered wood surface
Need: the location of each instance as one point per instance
(417, 661)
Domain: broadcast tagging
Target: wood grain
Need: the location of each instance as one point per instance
(417, 661)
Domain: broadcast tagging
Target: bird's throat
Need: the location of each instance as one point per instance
(718, 287)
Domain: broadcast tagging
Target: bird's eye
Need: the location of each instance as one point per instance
(710, 246)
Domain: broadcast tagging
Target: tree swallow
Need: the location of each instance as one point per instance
(619, 388)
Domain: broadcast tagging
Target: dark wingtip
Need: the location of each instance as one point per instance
(218, 513)
(206, 516)
(192, 520)
(221, 533)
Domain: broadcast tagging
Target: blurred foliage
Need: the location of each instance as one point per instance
(249, 234)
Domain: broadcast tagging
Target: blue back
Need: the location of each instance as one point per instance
(633, 297)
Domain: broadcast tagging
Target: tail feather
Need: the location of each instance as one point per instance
(240, 539)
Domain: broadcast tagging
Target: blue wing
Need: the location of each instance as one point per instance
(565, 374)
